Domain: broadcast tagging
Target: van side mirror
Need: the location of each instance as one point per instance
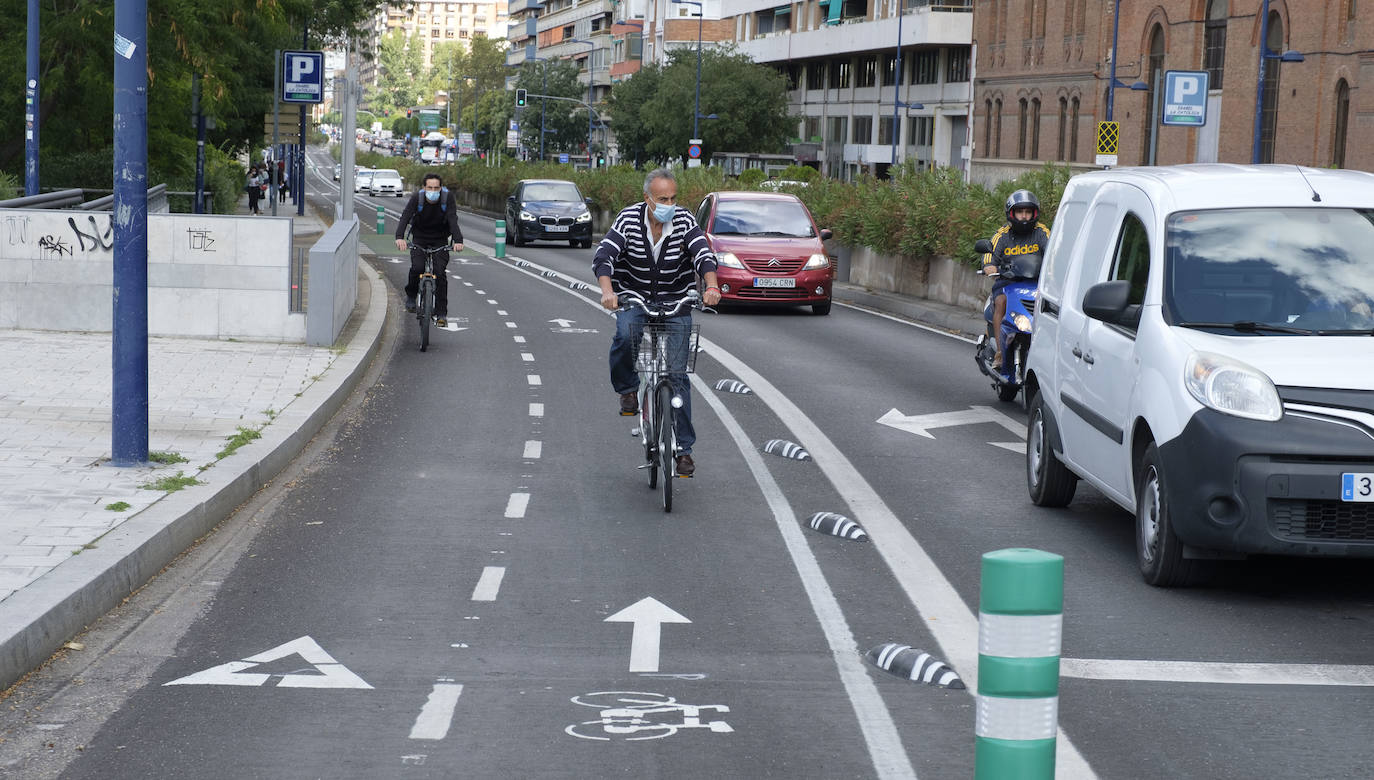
(982, 246)
(1109, 301)
(826, 234)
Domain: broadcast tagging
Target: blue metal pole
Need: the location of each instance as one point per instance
(542, 102)
(1259, 81)
(31, 120)
(198, 206)
(1111, 76)
(897, 87)
(696, 113)
(129, 412)
(298, 173)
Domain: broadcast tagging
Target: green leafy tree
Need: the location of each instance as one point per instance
(402, 80)
(565, 121)
(625, 104)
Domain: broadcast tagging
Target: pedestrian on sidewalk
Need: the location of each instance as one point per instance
(254, 187)
(284, 188)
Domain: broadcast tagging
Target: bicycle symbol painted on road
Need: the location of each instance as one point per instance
(629, 715)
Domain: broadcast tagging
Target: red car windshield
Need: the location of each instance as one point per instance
(778, 218)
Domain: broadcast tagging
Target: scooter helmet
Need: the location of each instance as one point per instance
(1023, 199)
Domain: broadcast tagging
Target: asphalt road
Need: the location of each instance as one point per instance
(467, 577)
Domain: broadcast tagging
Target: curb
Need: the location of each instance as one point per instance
(36, 620)
(967, 322)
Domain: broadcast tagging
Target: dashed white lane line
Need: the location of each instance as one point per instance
(533, 449)
(480, 292)
(489, 583)
(533, 380)
(467, 284)
(510, 325)
(491, 301)
(536, 410)
(437, 714)
(519, 339)
(500, 312)
(527, 357)
(515, 507)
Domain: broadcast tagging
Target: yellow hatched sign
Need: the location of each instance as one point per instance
(1108, 140)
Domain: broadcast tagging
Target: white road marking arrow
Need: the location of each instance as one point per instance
(648, 616)
(563, 323)
(922, 423)
(329, 673)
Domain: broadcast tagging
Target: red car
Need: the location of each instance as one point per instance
(768, 250)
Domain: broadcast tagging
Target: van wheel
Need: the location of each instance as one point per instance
(1158, 551)
(1049, 481)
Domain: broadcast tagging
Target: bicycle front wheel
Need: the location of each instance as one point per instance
(665, 442)
(648, 420)
(426, 312)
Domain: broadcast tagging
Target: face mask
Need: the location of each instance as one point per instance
(663, 212)
(432, 196)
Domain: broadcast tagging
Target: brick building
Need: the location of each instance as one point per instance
(1043, 66)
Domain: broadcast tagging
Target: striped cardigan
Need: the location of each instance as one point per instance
(625, 255)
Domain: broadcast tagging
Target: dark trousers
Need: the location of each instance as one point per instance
(417, 267)
(629, 327)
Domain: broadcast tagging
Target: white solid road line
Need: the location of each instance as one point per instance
(515, 507)
(489, 583)
(880, 733)
(437, 714)
(1213, 672)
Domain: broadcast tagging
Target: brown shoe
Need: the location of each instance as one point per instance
(685, 466)
(629, 405)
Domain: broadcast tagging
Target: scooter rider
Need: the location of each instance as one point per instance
(1023, 234)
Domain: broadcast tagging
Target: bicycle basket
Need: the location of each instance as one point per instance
(667, 347)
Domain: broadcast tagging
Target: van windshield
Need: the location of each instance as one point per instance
(1302, 271)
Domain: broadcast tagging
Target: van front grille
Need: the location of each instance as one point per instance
(1331, 521)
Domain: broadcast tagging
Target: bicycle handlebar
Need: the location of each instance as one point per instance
(692, 300)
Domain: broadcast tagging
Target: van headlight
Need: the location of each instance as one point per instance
(816, 261)
(1232, 387)
(729, 260)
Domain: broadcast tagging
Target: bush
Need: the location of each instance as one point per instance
(750, 178)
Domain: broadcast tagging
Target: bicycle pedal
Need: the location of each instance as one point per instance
(629, 414)
(683, 476)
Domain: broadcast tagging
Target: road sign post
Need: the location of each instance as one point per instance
(302, 77)
(1185, 98)
(694, 153)
(1108, 140)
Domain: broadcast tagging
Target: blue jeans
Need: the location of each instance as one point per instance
(629, 324)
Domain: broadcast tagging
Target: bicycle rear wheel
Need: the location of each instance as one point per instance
(665, 442)
(426, 311)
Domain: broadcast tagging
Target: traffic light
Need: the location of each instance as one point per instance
(519, 98)
(601, 161)
(408, 113)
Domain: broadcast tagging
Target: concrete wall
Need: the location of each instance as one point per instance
(934, 278)
(209, 275)
(333, 277)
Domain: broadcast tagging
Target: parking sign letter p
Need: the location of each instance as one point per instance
(1183, 87)
(301, 67)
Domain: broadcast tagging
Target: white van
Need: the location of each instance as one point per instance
(1204, 356)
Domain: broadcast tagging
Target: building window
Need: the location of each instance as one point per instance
(815, 75)
(1073, 130)
(1342, 120)
(1214, 60)
(987, 128)
(863, 130)
(1022, 118)
(957, 68)
(921, 130)
(925, 67)
(1063, 126)
(837, 127)
(885, 127)
(793, 74)
(997, 129)
(839, 74)
(1269, 113)
(868, 72)
(812, 129)
(1035, 129)
(1038, 8)
(889, 69)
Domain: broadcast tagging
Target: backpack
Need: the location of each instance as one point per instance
(443, 200)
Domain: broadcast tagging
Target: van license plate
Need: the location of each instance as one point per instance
(1357, 487)
(773, 281)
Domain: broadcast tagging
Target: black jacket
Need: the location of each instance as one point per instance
(430, 224)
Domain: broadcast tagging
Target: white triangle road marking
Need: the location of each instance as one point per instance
(1019, 447)
(331, 673)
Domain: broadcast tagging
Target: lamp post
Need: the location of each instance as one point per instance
(1111, 76)
(1264, 54)
(696, 110)
(897, 83)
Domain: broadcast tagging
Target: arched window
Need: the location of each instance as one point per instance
(1081, 23)
(987, 128)
(1154, 69)
(1073, 129)
(1039, 10)
(1023, 116)
(997, 129)
(1063, 126)
(1214, 59)
(1269, 111)
(1341, 123)
(1035, 129)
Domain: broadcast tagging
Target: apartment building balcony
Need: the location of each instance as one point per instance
(520, 6)
(923, 25)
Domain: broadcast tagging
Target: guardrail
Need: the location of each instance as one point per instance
(76, 198)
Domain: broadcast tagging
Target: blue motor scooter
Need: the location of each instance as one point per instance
(1023, 273)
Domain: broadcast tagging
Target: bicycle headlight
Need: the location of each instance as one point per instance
(816, 261)
(728, 260)
(585, 216)
(1231, 387)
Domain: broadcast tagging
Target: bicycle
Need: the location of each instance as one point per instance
(662, 349)
(424, 305)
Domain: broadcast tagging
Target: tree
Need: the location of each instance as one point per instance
(627, 98)
(401, 76)
(566, 122)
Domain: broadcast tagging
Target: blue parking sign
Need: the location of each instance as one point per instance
(1185, 98)
(302, 79)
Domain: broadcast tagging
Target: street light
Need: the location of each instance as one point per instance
(897, 83)
(1288, 56)
(696, 109)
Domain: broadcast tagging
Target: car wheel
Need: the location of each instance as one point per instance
(587, 244)
(820, 309)
(574, 243)
(1049, 481)
(514, 234)
(1159, 553)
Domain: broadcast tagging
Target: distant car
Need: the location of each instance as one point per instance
(773, 185)
(338, 171)
(548, 210)
(362, 180)
(768, 250)
(385, 181)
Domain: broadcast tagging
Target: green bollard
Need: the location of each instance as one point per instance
(1020, 627)
(500, 238)
(381, 220)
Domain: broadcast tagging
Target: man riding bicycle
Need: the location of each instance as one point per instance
(655, 250)
(432, 217)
